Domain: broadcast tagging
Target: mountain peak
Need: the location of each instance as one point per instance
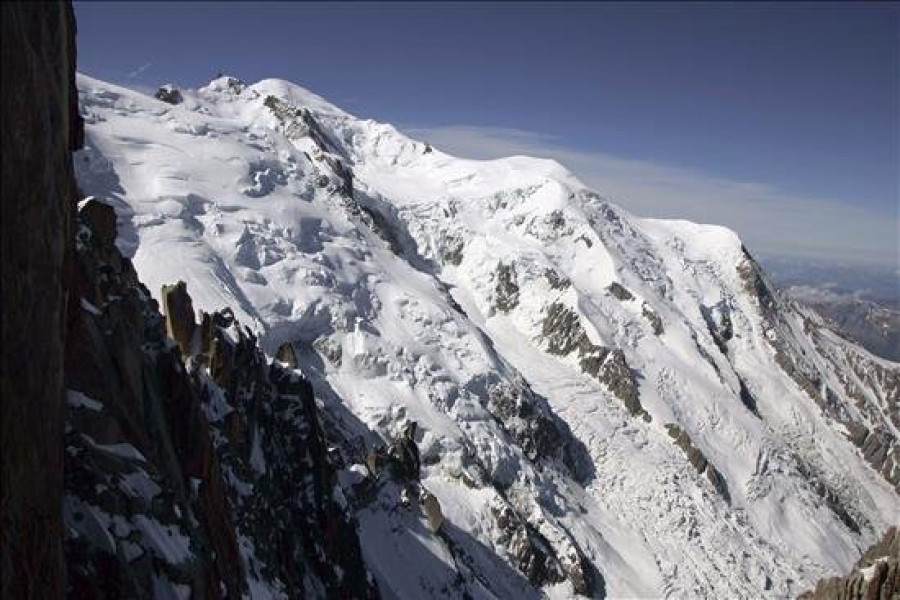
(599, 398)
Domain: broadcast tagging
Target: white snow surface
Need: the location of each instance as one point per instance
(248, 211)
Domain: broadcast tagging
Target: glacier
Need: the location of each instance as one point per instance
(607, 405)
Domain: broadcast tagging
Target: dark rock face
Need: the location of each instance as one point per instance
(101, 218)
(620, 292)
(829, 495)
(880, 450)
(454, 255)
(755, 283)
(507, 289)
(139, 458)
(404, 455)
(179, 311)
(199, 445)
(41, 128)
(655, 322)
(539, 561)
(287, 355)
(563, 331)
(565, 335)
(718, 321)
(169, 94)
(529, 420)
(747, 397)
(531, 553)
(298, 122)
(556, 281)
(880, 581)
(698, 460)
(616, 374)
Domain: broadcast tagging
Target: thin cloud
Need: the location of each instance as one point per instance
(139, 70)
(770, 221)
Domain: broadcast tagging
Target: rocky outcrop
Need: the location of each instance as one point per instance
(875, 576)
(145, 497)
(454, 254)
(620, 292)
(506, 291)
(531, 553)
(169, 94)
(746, 396)
(542, 562)
(194, 465)
(556, 281)
(529, 420)
(698, 460)
(656, 323)
(718, 322)
(831, 497)
(880, 449)
(432, 509)
(564, 335)
(179, 312)
(405, 463)
(41, 128)
(287, 355)
(298, 122)
(755, 283)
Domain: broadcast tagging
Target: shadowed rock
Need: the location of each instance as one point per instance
(556, 281)
(169, 94)
(40, 128)
(620, 292)
(655, 322)
(507, 290)
(100, 217)
(211, 457)
(432, 508)
(179, 311)
(287, 355)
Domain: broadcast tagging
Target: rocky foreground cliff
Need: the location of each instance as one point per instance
(195, 466)
(41, 127)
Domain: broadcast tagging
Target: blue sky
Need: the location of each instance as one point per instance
(778, 120)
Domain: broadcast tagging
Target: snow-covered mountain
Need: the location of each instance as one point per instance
(605, 404)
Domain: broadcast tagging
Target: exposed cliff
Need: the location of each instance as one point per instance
(132, 465)
(41, 128)
(194, 466)
(876, 576)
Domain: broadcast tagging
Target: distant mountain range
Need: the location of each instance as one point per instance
(862, 301)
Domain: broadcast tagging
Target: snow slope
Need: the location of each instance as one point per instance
(623, 402)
